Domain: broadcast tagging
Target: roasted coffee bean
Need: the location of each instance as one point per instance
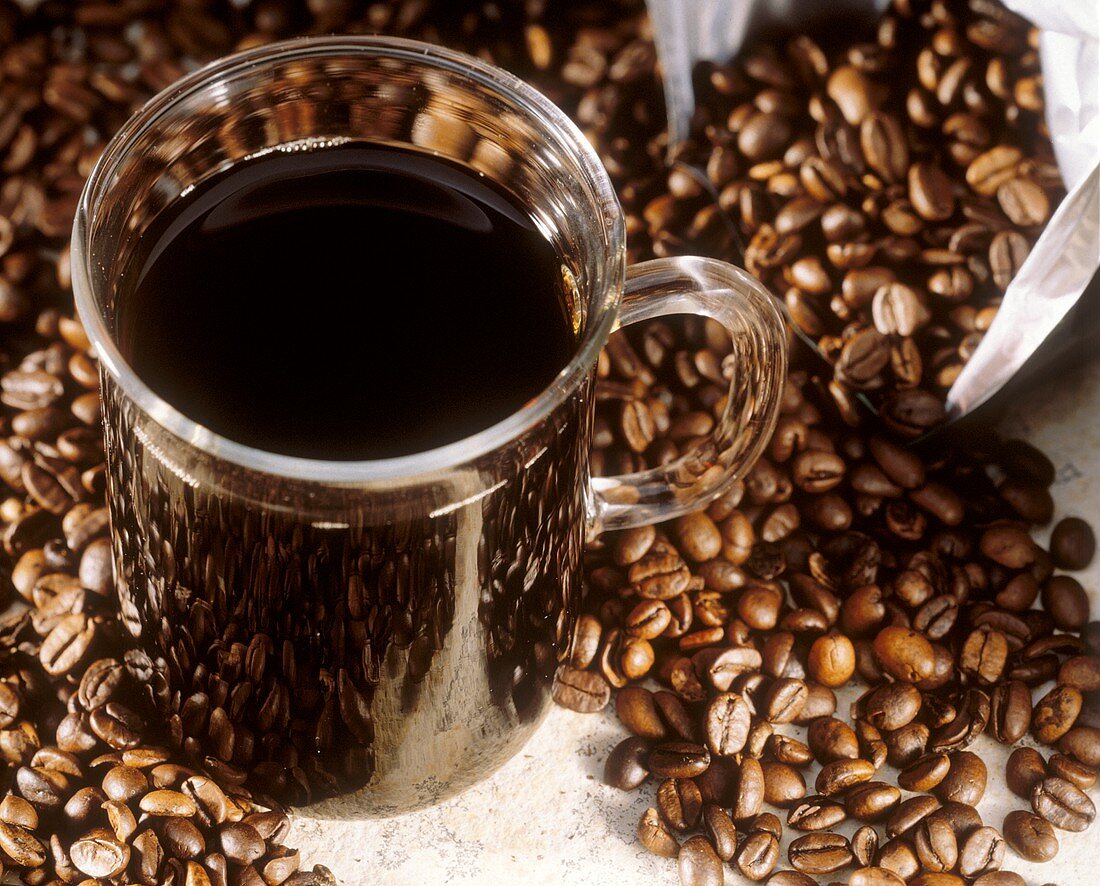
(100, 856)
(982, 852)
(904, 654)
(935, 844)
(815, 814)
(678, 759)
(680, 803)
(721, 831)
(925, 773)
(699, 864)
(874, 876)
(625, 767)
(840, 775)
(1066, 601)
(1082, 743)
(864, 844)
(1010, 711)
(820, 853)
(1072, 771)
(831, 739)
(783, 784)
(1063, 804)
(892, 706)
(871, 800)
(898, 857)
(1025, 769)
(790, 878)
(581, 691)
(727, 722)
(831, 660)
(747, 793)
(757, 855)
(1082, 672)
(1030, 836)
(1055, 713)
(963, 818)
(909, 813)
(965, 779)
(654, 835)
(1000, 878)
(1072, 543)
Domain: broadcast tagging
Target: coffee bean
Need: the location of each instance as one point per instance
(831, 660)
(1007, 253)
(660, 575)
(892, 706)
(1025, 769)
(931, 192)
(871, 800)
(181, 839)
(1072, 771)
(783, 784)
(1023, 201)
(581, 691)
(678, 759)
(1083, 744)
(815, 814)
(909, 813)
(820, 853)
(749, 792)
(654, 835)
(935, 845)
(898, 857)
(840, 775)
(720, 830)
(1066, 601)
(1000, 878)
(639, 714)
(1030, 836)
(625, 766)
(784, 700)
(100, 856)
(1063, 804)
(925, 773)
(1010, 711)
(758, 855)
(904, 654)
(698, 537)
(874, 876)
(21, 846)
(982, 852)
(831, 739)
(1072, 543)
(790, 878)
(168, 803)
(698, 863)
(1055, 713)
(965, 779)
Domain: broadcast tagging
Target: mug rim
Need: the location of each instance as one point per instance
(601, 319)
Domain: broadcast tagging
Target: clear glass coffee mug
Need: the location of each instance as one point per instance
(369, 637)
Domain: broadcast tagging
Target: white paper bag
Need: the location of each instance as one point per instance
(1066, 255)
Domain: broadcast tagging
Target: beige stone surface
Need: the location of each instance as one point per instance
(547, 818)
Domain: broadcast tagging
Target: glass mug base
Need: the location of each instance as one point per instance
(365, 638)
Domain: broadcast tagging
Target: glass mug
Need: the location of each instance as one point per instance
(369, 637)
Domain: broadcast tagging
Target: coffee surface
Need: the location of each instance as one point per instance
(352, 302)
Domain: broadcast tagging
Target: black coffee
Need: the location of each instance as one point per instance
(354, 302)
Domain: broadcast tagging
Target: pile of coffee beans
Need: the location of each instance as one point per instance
(93, 789)
(888, 190)
(845, 554)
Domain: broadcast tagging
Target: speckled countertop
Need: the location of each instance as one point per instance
(547, 818)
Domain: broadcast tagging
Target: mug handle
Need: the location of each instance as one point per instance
(756, 369)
